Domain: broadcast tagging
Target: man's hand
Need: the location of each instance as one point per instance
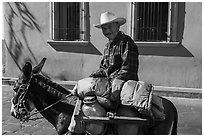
(98, 74)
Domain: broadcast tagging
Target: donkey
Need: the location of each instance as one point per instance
(56, 104)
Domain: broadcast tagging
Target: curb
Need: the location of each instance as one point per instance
(158, 90)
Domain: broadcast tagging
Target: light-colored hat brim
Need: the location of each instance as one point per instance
(121, 21)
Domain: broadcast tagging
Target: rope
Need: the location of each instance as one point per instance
(50, 105)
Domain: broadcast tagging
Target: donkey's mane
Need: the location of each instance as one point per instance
(50, 86)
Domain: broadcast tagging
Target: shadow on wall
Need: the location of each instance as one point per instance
(174, 51)
(19, 48)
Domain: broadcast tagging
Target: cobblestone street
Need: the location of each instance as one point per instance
(12, 126)
(190, 118)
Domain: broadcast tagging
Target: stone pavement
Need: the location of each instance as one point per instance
(189, 109)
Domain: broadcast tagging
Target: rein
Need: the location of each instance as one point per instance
(50, 105)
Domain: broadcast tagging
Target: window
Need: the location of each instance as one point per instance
(154, 21)
(70, 21)
(70, 30)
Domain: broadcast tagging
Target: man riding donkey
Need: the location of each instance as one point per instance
(119, 64)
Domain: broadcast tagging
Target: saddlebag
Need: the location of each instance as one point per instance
(99, 87)
(84, 87)
(139, 94)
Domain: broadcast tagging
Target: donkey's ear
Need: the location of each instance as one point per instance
(27, 68)
(37, 69)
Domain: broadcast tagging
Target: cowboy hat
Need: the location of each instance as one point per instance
(109, 17)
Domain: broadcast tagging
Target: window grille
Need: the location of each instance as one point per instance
(72, 30)
(151, 21)
(70, 21)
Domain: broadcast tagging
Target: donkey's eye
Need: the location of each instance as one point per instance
(15, 89)
(16, 86)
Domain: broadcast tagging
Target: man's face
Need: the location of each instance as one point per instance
(110, 30)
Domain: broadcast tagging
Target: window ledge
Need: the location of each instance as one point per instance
(85, 47)
(157, 44)
(67, 43)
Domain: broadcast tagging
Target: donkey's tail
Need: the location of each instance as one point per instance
(174, 129)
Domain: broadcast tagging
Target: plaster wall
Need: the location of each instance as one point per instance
(32, 33)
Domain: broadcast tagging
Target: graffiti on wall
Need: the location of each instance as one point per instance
(17, 43)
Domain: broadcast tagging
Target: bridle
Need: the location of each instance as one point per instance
(21, 109)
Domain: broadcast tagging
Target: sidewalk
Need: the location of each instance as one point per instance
(158, 90)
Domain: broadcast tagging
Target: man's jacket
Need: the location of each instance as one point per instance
(120, 59)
